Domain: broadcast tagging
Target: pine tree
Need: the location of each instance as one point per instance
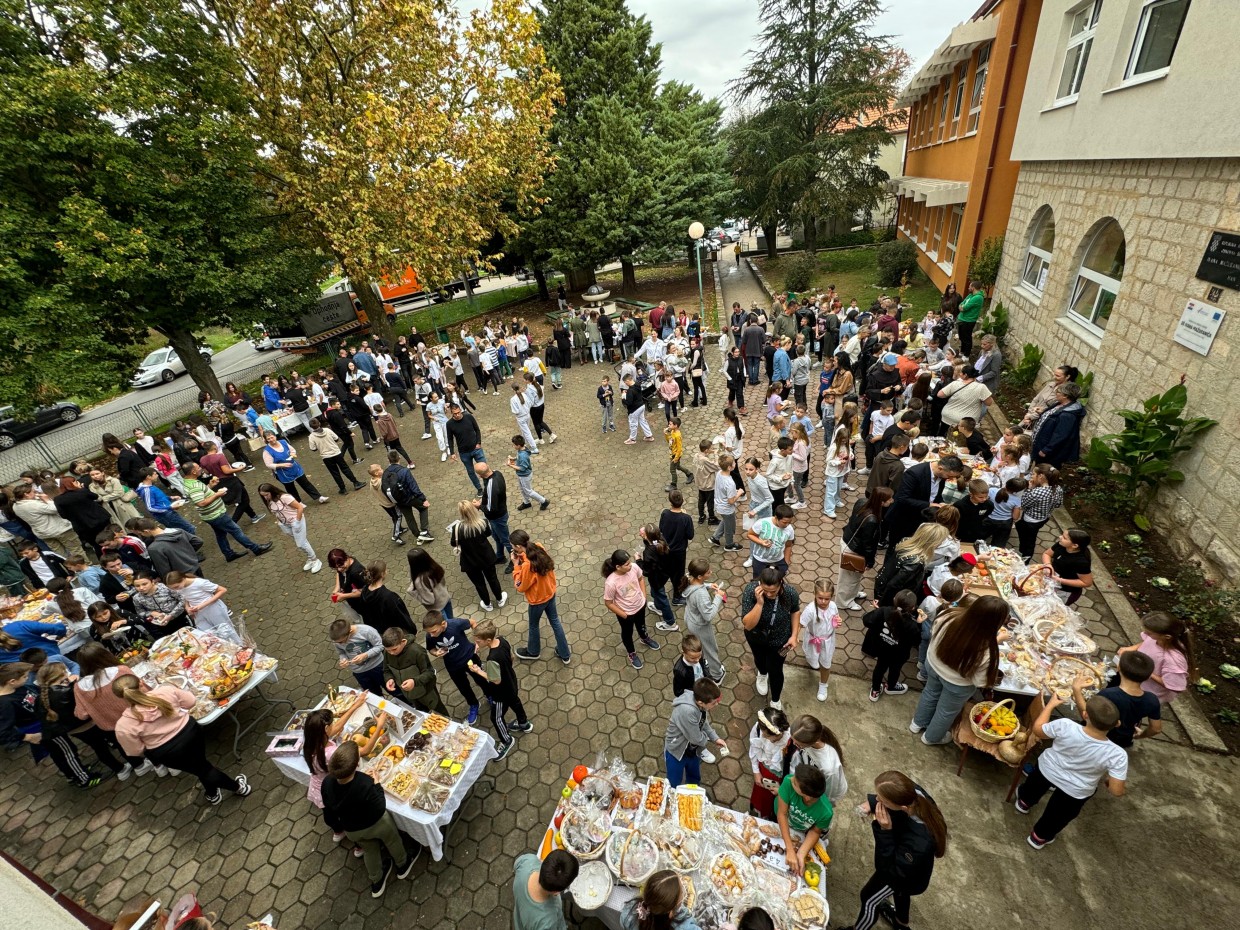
(822, 82)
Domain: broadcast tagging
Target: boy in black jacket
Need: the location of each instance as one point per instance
(499, 684)
(36, 563)
(354, 805)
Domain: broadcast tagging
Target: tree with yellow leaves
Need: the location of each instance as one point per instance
(400, 128)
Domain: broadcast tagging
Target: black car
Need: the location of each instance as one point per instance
(12, 429)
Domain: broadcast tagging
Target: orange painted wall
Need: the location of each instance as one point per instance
(983, 159)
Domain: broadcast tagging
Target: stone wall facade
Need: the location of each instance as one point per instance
(1167, 210)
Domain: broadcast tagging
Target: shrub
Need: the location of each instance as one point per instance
(995, 320)
(895, 260)
(800, 272)
(1143, 450)
(984, 263)
(1086, 381)
(1025, 372)
(1200, 601)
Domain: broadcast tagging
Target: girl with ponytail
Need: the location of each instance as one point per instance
(158, 724)
(909, 834)
(59, 724)
(659, 907)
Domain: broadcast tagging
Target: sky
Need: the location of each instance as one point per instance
(705, 42)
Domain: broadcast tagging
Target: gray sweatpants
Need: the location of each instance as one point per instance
(526, 483)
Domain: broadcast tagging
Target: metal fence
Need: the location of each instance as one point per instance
(83, 439)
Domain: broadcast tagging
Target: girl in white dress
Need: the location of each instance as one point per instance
(819, 621)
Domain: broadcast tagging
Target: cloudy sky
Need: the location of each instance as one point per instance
(705, 42)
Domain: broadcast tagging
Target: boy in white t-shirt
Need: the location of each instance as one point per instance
(1081, 758)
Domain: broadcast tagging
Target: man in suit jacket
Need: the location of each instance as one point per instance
(921, 487)
(989, 363)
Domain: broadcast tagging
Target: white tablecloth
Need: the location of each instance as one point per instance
(426, 828)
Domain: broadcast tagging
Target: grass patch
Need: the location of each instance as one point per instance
(645, 274)
(854, 273)
(452, 312)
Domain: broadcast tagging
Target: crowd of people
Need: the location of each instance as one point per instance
(114, 545)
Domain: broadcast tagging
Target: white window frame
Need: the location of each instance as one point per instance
(1037, 258)
(945, 92)
(979, 90)
(936, 232)
(954, 220)
(1083, 38)
(962, 76)
(1147, 10)
(1105, 283)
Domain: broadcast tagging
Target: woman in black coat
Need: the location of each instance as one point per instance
(1057, 434)
(471, 539)
(861, 537)
(564, 344)
(82, 509)
(380, 606)
(736, 379)
(909, 834)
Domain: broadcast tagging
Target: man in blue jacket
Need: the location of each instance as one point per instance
(1057, 435)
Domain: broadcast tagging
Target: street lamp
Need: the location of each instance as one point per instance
(696, 231)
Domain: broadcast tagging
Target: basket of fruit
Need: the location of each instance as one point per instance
(994, 721)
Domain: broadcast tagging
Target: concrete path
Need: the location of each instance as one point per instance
(1164, 856)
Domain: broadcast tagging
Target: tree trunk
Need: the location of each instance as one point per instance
(809, 227)
(379, 326)
(770, 231)
(195, 363)
(540, 278)
(628, 280)
(580, 278)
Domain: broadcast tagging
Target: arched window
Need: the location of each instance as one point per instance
(1098, 280)
(1041, 247)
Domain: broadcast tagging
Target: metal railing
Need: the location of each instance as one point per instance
(83, 439)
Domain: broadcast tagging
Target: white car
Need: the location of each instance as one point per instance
(162, 366)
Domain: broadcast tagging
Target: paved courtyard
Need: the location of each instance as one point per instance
(1162, 856)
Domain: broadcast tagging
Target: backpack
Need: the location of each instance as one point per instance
(395, 485)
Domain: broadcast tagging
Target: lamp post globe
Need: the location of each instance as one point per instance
(696, 230)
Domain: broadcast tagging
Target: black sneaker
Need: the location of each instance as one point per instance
(523, 653)
(526, 727)
(505, 749)
(565, 659)
(714, 541)
(526, 506)
(713, 521)
(243, 786)
(263, 547)
(376, 888)
(900, 688)
(544, 505)
(215, 798)
(402, 871)
(732, 548)
(649, 643)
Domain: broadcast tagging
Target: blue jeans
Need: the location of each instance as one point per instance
(686, 771)
(447, 610)
(173, 520)
(223, 526)
(832, 499)
(371, 680)
(499, 529)
(533, 643)
(924, 649)
(661, 603)
(939, 706)
(753, 366)
(468, 459)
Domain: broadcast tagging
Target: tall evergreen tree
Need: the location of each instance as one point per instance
(818, 68)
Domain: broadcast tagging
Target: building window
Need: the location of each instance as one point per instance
(1041, 247)
(958, 105)
(1097, 282)
(936, 231)
(979, 89)
(953, 234)
(945, 92)
(1080, 41)
(1157, 35)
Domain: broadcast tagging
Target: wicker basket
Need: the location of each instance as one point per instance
(1020, 588)
(988, 708)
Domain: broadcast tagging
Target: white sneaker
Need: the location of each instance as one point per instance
(146, 766)
(863, 471)
(822, 691)
(708, 757)
(553, 438)
(443, 456)
(778, 705)
(306, 567)
(914, 728)
(860, 596)
(800, 505)
(161, 771)
(485, 606)
(322, 500)
(316, 566)
(124, 773)
(503, 599)
(851, 605)
(761, 684)
(748, 563)
(426, 435)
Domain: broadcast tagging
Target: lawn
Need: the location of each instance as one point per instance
(854, 273)
(452, 312)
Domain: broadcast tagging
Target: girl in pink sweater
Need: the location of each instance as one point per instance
(157, 723)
